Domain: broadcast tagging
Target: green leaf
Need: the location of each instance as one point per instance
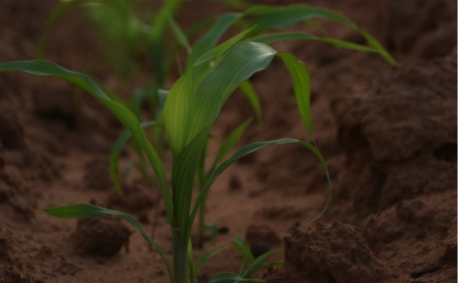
(210, 39)
(179, 34)
(230, 141)
(301, 81)
(192, 271)
(156, 39)
(242, 247)
(252, 148)
(281, 36)
(45, 68)
(259, 263)
(237, 4)
(250, 93)
(116, 152)
(89, 210)
(190, 107)
(230, 277)
(203, 259)
(222, 48)
(183, 175)
(374, 43)
(56, 13)
(272, 17)
(213, 229)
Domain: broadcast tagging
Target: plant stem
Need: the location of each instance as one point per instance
(180, 257)
(202, 226)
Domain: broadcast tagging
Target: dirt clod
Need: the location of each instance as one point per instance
(334, 253)
(104, 235)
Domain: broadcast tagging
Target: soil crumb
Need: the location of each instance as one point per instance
(334, 253)
(104, 236)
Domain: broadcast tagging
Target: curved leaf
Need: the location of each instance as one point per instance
(230, 141)
(252, 148)
(221, 48)
(280, 36)
(89, 210)
(56, 13)
(242, 247)
(278, 17)
(210, 39)
(301, 82)
(259, 263)
(116, 152)
(230, 277)
(45, 68)
(179, 34)
(204, 258)
(190, 108)
(250, 93)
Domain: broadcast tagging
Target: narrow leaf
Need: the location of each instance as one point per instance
(281, 36)
(222, 48)
(242, 247)
(260, 263)
(250, 93)
(179, 34)
(203, 259)
(230, 277)
(252, 148)
(231, 141)
(89, 211)
(301, 81)
(45, 68)
(116, 152)
(210, 39)
(279, 17)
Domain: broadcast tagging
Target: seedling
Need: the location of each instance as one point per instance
(212, 74)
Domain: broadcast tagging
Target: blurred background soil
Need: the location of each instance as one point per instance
(388, 135)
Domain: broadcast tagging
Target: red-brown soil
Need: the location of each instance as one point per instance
(389, 137)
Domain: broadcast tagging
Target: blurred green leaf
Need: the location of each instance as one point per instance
(231, 277)
(179, 34)
(242, 247)
(204, 258)
(259, 263)
(210, 39)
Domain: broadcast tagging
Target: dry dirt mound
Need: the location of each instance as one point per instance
(399, 181)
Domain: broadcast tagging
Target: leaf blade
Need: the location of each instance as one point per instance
(88, 211)
(45, 68)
